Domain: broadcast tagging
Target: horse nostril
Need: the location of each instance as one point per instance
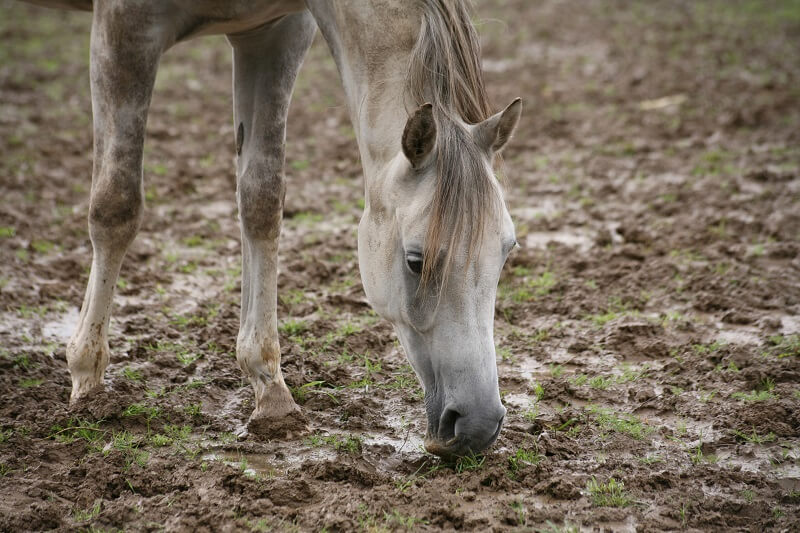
(447, 423)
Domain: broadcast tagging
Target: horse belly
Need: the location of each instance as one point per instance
(83, 5)
(235, 16)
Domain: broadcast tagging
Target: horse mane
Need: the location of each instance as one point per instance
(445, 70)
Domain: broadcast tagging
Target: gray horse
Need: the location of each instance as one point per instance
(435, 231)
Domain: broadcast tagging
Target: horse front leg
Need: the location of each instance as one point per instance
(265, 65)
(124, 58)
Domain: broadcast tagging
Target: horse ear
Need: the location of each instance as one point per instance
(419, 136)
(494, 132)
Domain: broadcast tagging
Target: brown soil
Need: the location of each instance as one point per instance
(648, 326)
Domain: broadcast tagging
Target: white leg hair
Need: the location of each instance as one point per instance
(123, 67)
(265, 64)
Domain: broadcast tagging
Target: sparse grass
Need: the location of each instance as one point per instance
(698, 457)
(706, 397)
(27, 383)
(533, 413)
(300, 393)
(293, 327)
(42, 246)
(616, 308)
(78, 429)
(186, 358)
(542, 284)
(683, 514)
(705, 349)
(347, 329)
(128, 444)
(468, 463)
(341, 443)
(292, 297)
(619, 422)
(132, 374)
(754, 438)
(193, 409)
(172, 434)
(556, 370)
(782, 346)
(609, 494)
(505, 354)
(628, 374)
(600, 382)
(650, 459)
(521, 512)
(395, 518)
(524, 457)
(538, 391)
(138, 409)
(762, 393)
(80, 515)
(531, 288)
(579, 380)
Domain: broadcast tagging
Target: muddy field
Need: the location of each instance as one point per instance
(648, 330)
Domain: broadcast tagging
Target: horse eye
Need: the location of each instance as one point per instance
(414, 262)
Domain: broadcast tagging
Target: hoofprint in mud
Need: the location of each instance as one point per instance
(435, 232)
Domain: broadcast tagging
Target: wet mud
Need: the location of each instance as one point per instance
(647, 330)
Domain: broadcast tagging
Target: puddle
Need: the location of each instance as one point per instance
(543, 208)
(268, 464)
(629, 525)
(727, 333)
(789, 478)
(518, 400)
(575, 238)
(62, 327)
(738, 336)
(406, 437)
(790, 324)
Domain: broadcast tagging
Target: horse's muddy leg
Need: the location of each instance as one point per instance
(265, 65)
(124, 58)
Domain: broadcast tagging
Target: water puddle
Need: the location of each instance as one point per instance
(574, 238)
(63, 326)
(790, 324)
(789, 478)
(268, 464)
(532, 368)
(740, 336)
(545, 207)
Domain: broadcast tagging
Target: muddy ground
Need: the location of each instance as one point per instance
(648, 330)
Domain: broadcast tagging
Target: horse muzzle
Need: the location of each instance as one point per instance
(459, 432)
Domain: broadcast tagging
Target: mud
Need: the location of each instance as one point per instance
(648, 328)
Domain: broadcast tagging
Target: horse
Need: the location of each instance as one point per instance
(435, 231)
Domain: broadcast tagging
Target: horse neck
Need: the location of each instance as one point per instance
(371, 42)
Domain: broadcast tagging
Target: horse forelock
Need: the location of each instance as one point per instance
(445, 70)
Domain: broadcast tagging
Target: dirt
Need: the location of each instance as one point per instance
(648, 327)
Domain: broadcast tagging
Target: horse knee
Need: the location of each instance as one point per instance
(116, 206)
(261, 191)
